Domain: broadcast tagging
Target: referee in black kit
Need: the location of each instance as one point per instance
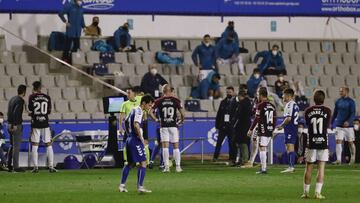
(15, 128)
(223, 124)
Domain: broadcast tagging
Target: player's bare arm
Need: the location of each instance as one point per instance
(286, 121)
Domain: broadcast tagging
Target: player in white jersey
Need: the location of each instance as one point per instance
(290, 126)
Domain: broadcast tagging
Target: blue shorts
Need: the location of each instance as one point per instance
(291, 138)
(135, 150)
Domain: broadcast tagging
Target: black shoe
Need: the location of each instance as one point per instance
(151, 165)
(35, 170)
(53, 170)
(19, 170)
(3, 167)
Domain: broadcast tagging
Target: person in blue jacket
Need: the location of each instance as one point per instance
(208, 88)
(343, 117)
(204, 57)
(74, 24)
(227, 51)
(122, 38)
(253, 82)
(229, 29)
(272, 62)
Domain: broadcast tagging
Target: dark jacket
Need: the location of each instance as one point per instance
(241, 120)
(150, 83)
(75, 16)
(226, 108)
(226, 32)
(15, 110)
(252, 85)
(1, 132)
(201, 91)
(268, 60)
(122, 38)
(206, 56)
(225, 49)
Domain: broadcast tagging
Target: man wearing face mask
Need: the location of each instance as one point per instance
(223, 124)
(2, 142)
(230, 29)
(253, 82)
(122, 38)
(151, 82)
(227, 52)
(74, 23)
(205, 52)
(93, 30)
(272, 61)
(357, 139)
(280, 85)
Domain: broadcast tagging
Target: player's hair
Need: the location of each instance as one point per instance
(207, 35)
(21, 89)
(137, 89)
(147, 98)
(242, 91)
(256, 70)
(36, 85)
(319, 97)
(356, 119)
(263, 92)
(230, 88)
(346, 89)
(289, 91)
(1, 114)
(166, 88)
(275, 46)
(217, 75)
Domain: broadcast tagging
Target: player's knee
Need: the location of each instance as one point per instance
(34, 144)
(48, 144)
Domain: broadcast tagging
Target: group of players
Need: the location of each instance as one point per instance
(135, 136)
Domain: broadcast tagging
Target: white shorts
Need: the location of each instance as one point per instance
(264, 141)
(169, 134)
(313, 155)
(44, 133)
(203, 74)
(347, 133)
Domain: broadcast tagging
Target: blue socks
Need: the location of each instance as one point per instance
(291, 157)
(141, 176)
(155, 152)
(125, 174)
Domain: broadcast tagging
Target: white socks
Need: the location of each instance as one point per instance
(166, 156)
(263, 160)
(34, 153)
(306, 188)
(254, 153)
(352, 152)
(177, 156)
(50, 156)
(338, 152)
(318, 188)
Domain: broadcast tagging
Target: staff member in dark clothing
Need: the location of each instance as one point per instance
(223, 124)
(241, 121)
(151, 81)
(357, 139)
(74, 23)
(15, 111)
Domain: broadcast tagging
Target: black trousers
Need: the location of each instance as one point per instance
(274, 72)
(357, 146)
(232, 151)
(73, 42)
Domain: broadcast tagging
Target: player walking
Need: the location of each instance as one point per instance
(290, 126)
(317, 119)
(167, 107)
(135, 144)
(265, 121)
(40, 108)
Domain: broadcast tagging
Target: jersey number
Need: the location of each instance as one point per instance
(269, 116)
(168, 112)
(296, 120)
(41, 108)
(317, 124)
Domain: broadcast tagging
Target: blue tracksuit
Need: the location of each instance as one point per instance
(252, 85)
(344, 111)
(201, 91)
(268, 60)
(225, 49)
(75, 16)
(206, 56)
(225, 34)
(122, 38)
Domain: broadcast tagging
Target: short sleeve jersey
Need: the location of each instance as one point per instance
(265, 115)
(291, 110)
(136, 115)
(167, 108)
(40, 108)
(318, 120)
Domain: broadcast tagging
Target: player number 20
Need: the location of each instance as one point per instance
(40, 107)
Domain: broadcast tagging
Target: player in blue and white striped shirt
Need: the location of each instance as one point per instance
(290, 126)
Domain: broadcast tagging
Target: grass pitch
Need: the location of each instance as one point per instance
(198, 183)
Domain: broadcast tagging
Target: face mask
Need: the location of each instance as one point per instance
(300, 130)
(95, 23)
(257, 76)
(1, 120)
(281, 79)
(79, 3)
(207, 44)
(274, 52)
(153, 71)
(356, 127)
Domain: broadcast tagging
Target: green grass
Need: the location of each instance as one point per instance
(198, 183)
